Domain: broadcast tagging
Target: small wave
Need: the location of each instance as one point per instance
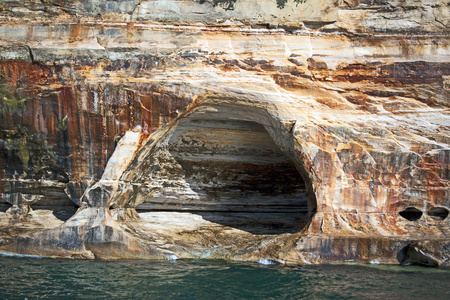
(6, 254)
(172, 257)
(267, 262)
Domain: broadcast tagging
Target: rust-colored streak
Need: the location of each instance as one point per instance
(394, 74)
(29, 74)
(81, 122)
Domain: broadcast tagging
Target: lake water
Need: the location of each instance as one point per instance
(39, 278)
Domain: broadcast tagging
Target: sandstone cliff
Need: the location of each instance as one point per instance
(298, 131)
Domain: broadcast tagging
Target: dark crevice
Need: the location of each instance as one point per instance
(411, 214)
(30, 52)
(143, 210)
(4, 207)
(62, 213)
(438, 213)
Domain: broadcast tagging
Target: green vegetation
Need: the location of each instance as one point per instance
(9, 97)
(26, 152)
(22, 149)
(17, 146)
(62, 124)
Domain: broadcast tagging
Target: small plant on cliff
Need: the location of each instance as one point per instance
(9, 98)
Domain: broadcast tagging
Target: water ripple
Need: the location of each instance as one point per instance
(29, 278)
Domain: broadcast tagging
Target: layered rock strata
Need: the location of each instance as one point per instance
(293, 131)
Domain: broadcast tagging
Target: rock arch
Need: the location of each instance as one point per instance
(234, 165)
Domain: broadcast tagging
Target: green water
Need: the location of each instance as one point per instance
(37, 278)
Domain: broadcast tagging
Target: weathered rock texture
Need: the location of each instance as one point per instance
(295, 131)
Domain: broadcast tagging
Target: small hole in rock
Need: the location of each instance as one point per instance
(411, 214)
(438, 213)
(62, 213)
(62, 208)
(4, 207)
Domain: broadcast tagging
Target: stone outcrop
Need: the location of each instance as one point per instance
(293, 131)
(426, 253)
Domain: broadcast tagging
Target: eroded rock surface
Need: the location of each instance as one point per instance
(294, 131)
(427, 253)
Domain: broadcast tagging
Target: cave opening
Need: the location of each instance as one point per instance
(60, 212)
(55, 203)
(4, 206)
(411, 214)
(235, 175)
(438, 213)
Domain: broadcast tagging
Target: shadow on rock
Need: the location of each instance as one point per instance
(425, 253)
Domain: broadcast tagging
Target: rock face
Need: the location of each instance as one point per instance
(294, 131)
